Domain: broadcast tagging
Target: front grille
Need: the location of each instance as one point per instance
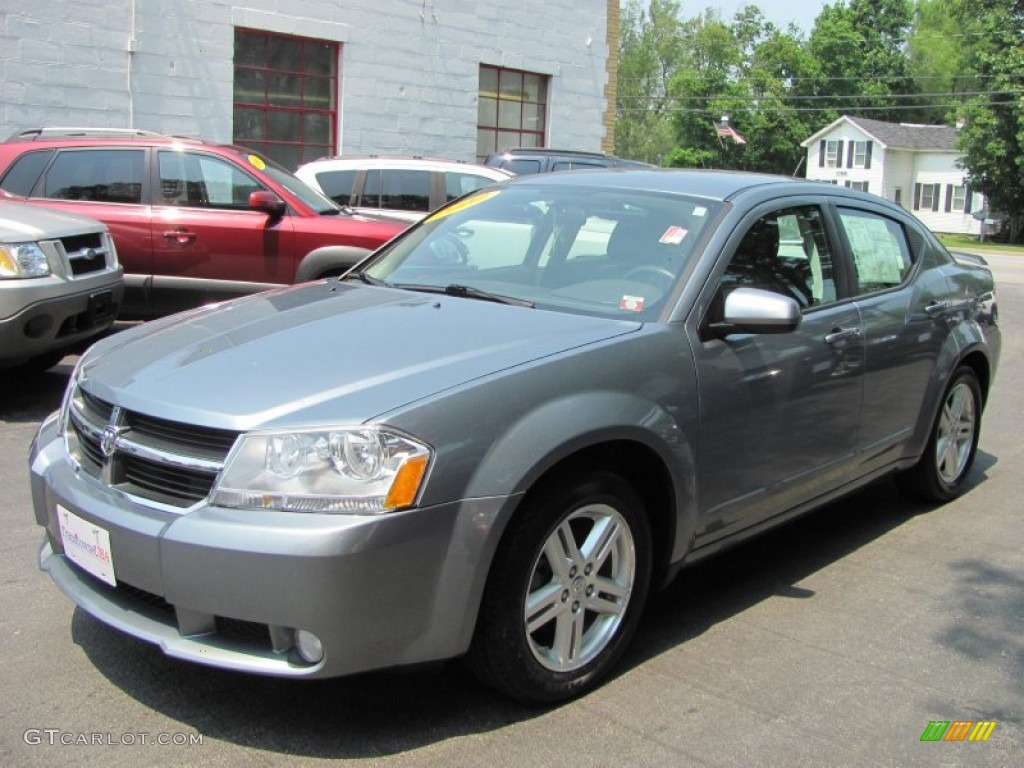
(153, 458)
(86, 253)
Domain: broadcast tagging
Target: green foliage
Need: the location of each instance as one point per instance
(992, 138)
(920, 61)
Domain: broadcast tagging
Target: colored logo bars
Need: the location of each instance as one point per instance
(958, 730)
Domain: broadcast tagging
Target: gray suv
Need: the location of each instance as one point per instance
(60, 283)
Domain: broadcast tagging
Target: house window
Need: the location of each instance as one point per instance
(511, 110)
(861, 185)
(285, 103)
(832, 154)
(897, 196)
(959, 198)
(926, 197)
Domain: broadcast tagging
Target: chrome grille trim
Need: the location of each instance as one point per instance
(159, 462)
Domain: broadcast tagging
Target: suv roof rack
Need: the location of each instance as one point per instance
(72, 132)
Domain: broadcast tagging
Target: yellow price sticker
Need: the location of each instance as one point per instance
(257, 162)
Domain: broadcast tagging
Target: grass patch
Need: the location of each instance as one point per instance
(954, 242)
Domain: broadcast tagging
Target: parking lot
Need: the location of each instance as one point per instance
(835, 640)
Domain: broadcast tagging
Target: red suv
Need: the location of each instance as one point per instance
(193, 222)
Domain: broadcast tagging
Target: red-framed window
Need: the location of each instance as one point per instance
(285, 103)
(511, 109)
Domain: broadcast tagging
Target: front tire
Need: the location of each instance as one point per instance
(566, 589)
(942, 470)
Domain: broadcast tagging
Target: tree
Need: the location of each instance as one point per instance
(938, 59)
(648, 58)
(992, 138)
(862, 65)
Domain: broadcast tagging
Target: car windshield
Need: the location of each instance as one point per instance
(590, 250)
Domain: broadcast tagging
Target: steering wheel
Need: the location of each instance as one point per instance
(449, 250)
(659, 277)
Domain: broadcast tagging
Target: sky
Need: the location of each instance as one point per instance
(779, 12)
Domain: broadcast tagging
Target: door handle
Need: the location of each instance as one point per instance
(937, 307)
(180, 236)
(838, 335)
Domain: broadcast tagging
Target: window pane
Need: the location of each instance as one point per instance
(533, 88)
(459, 184)
(320, 59)
(510, 114)
(487, 111)
(316, 129)
(24, 173)
(283, 53)
(880, 250)
(508, 139)
(511, 84)
(316, 93)
(225, 185)
(250, 86)
(250, 49)
(248, 124)
(406, 190)
(105, 175)
(337, 185)
(486, 142)
(489, 82)
(284, 89)
(282, 126)
(530, 140)
(533, 117)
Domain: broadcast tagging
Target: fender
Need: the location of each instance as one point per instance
(329, 258)
(556, 430)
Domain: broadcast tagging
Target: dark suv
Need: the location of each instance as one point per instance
(194, 222)
(525, 160)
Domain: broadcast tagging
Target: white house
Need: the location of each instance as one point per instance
(307, 78)
(913, 165)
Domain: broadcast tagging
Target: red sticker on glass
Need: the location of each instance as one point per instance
(631, 303)
(674, 235)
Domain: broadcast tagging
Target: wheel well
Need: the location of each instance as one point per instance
(645, 472)
(977, 362)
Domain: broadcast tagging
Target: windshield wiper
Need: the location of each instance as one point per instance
(466, 292)
(363, 277)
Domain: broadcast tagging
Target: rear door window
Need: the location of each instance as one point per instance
(405, 190)
(98, 175)
(881, 252)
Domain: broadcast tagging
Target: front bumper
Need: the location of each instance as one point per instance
(228, 588)
(48, 317)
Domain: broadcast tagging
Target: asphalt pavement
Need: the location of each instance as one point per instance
(836, 640)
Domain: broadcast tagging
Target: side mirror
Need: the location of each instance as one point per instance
(753, 310)
(268, 202)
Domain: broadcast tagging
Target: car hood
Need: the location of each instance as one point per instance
(323, 352)
(22, 222)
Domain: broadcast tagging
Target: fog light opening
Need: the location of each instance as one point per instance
(309, 646)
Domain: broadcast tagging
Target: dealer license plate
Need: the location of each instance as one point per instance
(87, 545)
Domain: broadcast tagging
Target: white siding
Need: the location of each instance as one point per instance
(408, 71)
(843, 173)
(940, 168)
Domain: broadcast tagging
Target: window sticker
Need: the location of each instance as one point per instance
(674, 235)
(255, 162)
(461, 206)
(631, 303)
(700, 210)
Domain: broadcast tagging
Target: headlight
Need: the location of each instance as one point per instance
(344, 470)
(23, 260)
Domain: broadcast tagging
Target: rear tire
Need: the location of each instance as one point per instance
(941, 472)
(566, 589)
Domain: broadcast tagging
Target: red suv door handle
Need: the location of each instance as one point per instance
(181, 236)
